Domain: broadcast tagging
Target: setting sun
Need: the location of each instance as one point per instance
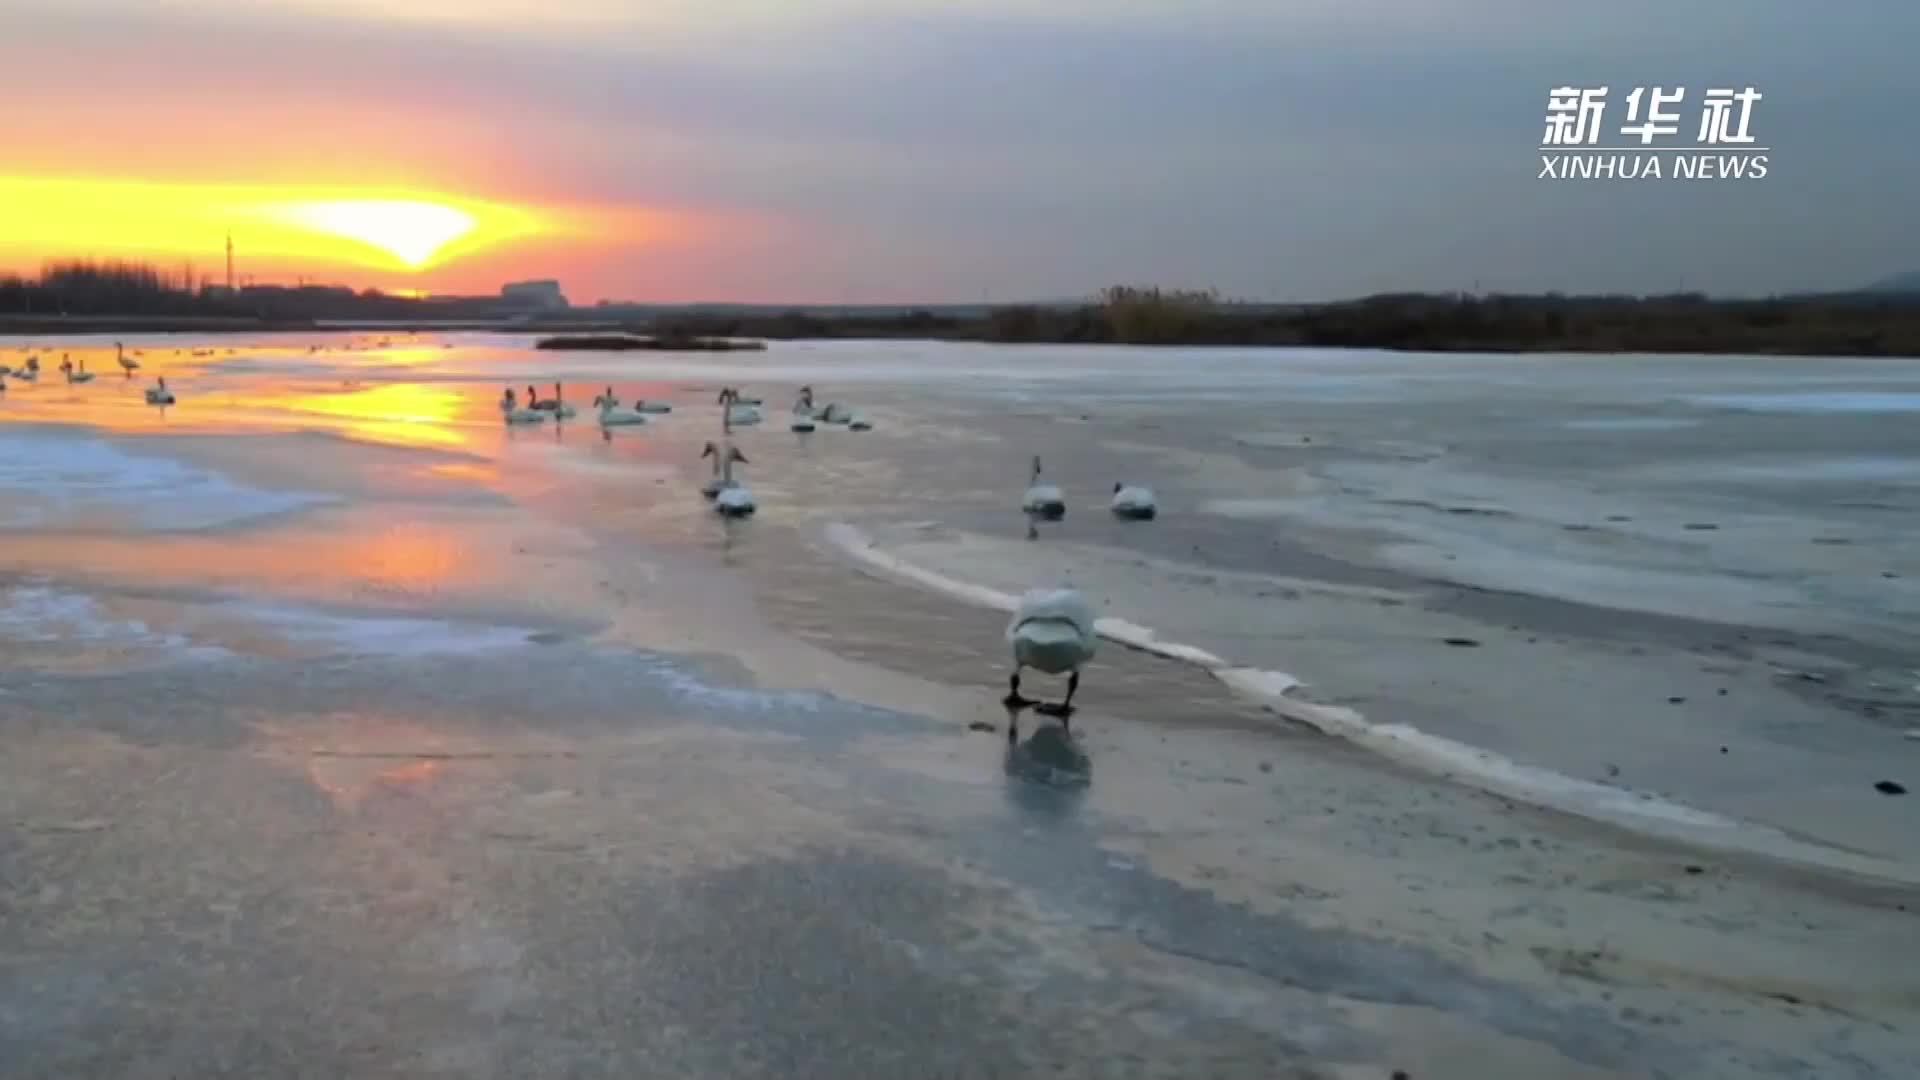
(412, 232)
(45, 217)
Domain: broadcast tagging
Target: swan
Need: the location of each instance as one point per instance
(1051, 631)
(534, 402)
(31, 372)
(737, 411)
(80, 376)
(729, 497)
(606, 400)
(1043, 500)
(856, 422)
(731, 395)
(126, 365)
(511, 412)
(834, 413)
(803, 412)
(158, 394)
(610, 418)
(560, 409)
(1134, 502)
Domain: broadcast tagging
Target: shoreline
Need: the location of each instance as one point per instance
(1820, 327)
(1640, 813)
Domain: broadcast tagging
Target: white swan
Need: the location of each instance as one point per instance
(603, 400)
(126, 365)
(1051, 631)
(856, 422)
(729, 496)
(512, 413)
(75, 376)
(1134, 502)
(158, 394)
(1043, 500)
(834, 413)
(803, 412)
(557, 405)
(29, 373)
(737, 411)
(610, 418)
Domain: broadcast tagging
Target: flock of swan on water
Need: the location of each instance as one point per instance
(77, 374)
(1052, 630)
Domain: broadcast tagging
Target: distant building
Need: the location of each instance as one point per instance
(541, 295)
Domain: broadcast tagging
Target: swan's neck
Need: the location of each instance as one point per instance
(726, 470)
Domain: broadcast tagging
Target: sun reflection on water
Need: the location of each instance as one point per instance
(405, 414)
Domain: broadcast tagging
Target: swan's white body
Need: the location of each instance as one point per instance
(1132, 501)
(856, 422)
(523, 416)
(1052, 631)
(159, 395)
(833, 413)
(729, 497)
(802, 413)
(610, 418)
(1044, 499)
(742, 415)
(81, 377)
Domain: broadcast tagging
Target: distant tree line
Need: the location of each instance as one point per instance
(1841, 324)
(83, 287)
(1863, 324)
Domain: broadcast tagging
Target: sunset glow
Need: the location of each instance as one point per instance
(47, 217)
(412, 232)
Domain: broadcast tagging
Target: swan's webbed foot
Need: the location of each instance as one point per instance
(1013, 700)
(1061, 711)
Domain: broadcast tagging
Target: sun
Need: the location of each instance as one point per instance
(412, 232)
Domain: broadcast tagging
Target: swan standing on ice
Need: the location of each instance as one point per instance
(31, 372)
(1043, 500)
(1134, 503)
(511, 412)
(729, 497)
(803, 411)
(610, 418)
(75, 376)
(158, 394)
(126, 365)
(1052, 632)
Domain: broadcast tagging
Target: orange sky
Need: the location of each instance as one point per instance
(926, 150)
